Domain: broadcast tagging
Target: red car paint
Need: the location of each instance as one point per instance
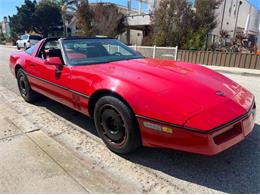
(206, 111)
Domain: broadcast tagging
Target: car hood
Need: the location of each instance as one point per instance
(174, 91)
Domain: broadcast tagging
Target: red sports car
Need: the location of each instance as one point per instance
(135, 100)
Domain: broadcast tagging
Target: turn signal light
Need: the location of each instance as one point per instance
(157, 127)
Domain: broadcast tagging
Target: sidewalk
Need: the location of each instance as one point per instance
(8, 46)
(235, 70)
(32, 162)
(25, 167)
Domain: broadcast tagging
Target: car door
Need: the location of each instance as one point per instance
(19, 42)
(51, 80)
(24, 40)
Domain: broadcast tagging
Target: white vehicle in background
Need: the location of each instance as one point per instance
(27, 41)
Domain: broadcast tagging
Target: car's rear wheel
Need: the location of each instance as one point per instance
(17, 45)
(25, 46)
(116, 125)
(24, 87)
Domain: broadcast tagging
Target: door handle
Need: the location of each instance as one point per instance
(32, 64)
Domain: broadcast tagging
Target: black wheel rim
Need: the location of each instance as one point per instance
(113, 126)
(23, 86)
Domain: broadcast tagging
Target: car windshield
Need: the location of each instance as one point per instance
(94, 51)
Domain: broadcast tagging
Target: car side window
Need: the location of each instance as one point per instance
(24, 37)
(50, 49)
(30, 50)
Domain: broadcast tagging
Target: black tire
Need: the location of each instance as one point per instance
(24, 87)
(116, 125)
(18, 46)
(25, 46)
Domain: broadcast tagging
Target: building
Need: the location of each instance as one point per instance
(236, 16)
(233, 16)
(5, 27)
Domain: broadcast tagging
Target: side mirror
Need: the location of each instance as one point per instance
(53, 61)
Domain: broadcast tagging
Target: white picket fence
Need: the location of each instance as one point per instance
(157, 52)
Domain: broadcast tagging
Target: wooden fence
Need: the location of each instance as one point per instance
(240, 60)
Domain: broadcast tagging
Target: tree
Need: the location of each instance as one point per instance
(204, 23)
(172, 22)
(42, 18)
(107, 20)
(97, 19)
(196, 39)
(47, 17)
(84, 17)
(2, 37)
(205, 15)
(24, 19)
(176, 23)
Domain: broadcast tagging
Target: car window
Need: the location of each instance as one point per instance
(52, 45)
(91, 51)
(50, 49)
(30, 50)
(115, 49)
(35, 37)
(25, 37)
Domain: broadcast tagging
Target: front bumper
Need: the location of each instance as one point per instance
(207, 143)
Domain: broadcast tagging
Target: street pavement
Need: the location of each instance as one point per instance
(47, 136)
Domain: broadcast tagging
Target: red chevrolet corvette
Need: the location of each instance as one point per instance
(135, 100)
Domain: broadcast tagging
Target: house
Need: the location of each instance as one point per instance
(237, 16)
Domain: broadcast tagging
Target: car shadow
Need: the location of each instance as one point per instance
(236, 170)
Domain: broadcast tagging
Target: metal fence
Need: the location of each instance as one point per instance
(157, 52)
(240, 60)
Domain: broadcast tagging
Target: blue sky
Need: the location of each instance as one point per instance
(254, 2)
(8, 7)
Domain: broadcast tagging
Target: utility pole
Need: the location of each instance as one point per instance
(139, 7)
(129, 7)
(223, 15)
(235, 29)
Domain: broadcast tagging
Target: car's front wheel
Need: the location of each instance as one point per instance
(24, 87)
(116, 125)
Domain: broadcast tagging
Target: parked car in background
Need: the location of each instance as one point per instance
(27, 41)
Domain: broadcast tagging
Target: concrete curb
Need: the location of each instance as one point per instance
(234, 70)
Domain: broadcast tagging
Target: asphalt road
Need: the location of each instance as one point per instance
(236, 170)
